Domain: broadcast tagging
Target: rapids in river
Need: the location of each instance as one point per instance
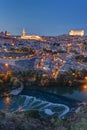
(46, 103)
(24, 103)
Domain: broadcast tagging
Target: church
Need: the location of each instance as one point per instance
(30, 37)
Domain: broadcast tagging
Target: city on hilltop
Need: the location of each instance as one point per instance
(43, 66)
(53, 55)
(51, 70)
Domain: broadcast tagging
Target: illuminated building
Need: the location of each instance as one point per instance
(76, 32)
(7, 33)
(23, 33)
(31, 37)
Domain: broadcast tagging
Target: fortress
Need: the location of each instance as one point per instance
(76, 32)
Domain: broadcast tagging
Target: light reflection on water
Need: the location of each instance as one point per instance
(75, 92)
(7, 100)
(79, 94)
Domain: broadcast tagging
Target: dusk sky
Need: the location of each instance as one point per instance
(43, 17)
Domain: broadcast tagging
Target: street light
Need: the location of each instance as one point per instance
(86, 78)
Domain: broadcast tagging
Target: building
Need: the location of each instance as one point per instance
(23, 33)
(7, 33)
(76, 32)
(31, 37)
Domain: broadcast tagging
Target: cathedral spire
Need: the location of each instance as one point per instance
(23, 32)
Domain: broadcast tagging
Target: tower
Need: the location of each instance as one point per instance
(23, 33)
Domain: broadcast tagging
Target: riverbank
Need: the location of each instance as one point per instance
(17, 90)
(31, 120)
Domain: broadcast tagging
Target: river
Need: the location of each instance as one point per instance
(75, 92)
(48, 100)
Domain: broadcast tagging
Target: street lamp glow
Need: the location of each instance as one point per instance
(86, 78)
(85, 86)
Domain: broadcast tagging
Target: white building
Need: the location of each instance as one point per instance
(76, 32)
(31, 37)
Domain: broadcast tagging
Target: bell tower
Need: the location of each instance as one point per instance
(23, 33)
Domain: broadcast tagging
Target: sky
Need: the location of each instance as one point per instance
(43, 17)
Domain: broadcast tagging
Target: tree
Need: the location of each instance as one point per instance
(1, 83)
(16, 83)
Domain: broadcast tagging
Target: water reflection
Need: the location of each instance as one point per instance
(7, 102)
(76, 91)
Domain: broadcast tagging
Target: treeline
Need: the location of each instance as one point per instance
(11, 80)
